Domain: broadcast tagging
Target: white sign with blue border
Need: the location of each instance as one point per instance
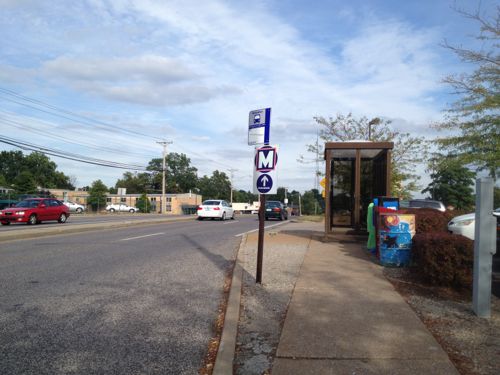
(259, 122)
(265, 172)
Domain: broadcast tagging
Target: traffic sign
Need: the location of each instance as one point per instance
(266, 159)
(264, 183)
(265, 173)
(259, 122)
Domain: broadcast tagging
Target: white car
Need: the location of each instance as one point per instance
(121, 208)
(74, 207)
(215, 209)
(465, 224)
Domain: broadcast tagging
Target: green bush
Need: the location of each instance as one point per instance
(443, 259)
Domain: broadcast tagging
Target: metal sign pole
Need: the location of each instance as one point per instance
(260, 248)
(484, 247)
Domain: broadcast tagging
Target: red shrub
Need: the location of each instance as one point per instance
(428, 220)
(443, 259)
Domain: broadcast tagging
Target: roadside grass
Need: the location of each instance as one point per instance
(313, 218)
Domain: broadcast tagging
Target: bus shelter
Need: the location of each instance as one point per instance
(356, 172)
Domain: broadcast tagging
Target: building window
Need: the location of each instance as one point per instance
(123, 200)
(153, 199)
(169, 208)
(169, 199)
(108, 200)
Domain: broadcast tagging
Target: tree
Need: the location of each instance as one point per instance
(451, 183)
(135, 183)
(243, 196)
(473, 119)
(43, 171)
(143, 203)
(408, 152)
(217, 186)
(312, 202)
(97, 195)
(181, 176)
(25, 183)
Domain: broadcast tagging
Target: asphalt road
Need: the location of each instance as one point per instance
(137, 300)
(79, 219)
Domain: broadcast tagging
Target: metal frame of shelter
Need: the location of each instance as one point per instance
(355, 172)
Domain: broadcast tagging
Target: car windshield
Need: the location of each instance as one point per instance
(211, 203)
(273, 204)
(27, 204)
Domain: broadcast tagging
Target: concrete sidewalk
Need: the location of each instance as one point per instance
(346, 318)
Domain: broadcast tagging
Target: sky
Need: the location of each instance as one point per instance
(137, 72)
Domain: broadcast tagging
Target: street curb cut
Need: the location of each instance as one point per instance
(227, 346)
(36, 233)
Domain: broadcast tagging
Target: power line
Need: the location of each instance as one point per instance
(60, 112)
(70, 156)
(46, 133)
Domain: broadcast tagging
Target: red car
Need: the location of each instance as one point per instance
(34, 211)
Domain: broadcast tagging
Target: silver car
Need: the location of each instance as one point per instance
(121, 208)
(74, 207)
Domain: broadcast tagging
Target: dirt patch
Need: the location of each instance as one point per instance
(472, 343)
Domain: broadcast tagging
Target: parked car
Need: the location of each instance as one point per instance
(34, 211)
(121, 207)
(275, 210)
(75, 207)
(215, 209)
(465, 224)
(427, 203)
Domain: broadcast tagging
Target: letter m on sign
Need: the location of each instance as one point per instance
(266, 159)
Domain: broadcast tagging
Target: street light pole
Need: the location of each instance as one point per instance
(163, 206)
(232, 170)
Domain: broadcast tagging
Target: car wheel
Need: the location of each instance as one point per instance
(111, 210)
(62, 219)
(232, 216)
(32, 220)
(200, 218)
(223, 216)
(5, 222)
(79, 210)
(266, 218)
(282, 217)
(131, 210)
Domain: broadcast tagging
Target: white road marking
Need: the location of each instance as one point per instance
(147, 235)
(231, 222)
(255, 230)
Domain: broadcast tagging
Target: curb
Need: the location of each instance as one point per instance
(227, 346)
(36, 233)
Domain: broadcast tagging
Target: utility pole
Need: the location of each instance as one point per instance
(232, 170)
(163, 206)
(300, 206)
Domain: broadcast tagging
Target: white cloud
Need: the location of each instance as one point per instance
(199, 67)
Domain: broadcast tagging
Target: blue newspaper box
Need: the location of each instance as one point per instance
(395, 233)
